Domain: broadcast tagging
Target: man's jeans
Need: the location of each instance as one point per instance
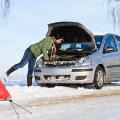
(29, 58)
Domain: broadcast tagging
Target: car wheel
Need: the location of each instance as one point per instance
(99, 78)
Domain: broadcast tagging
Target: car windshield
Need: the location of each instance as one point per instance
(74, 46)
(81, 46)
(98, 40)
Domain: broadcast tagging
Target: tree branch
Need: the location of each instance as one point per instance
(4, 6)
(114, 5)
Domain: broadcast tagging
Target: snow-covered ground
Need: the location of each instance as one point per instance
(62, 103)
(23, 93)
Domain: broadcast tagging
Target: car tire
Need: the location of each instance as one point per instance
(99, 78)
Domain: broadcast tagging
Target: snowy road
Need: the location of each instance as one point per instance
(63, 103)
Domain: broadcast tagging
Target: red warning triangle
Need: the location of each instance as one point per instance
(4, 94)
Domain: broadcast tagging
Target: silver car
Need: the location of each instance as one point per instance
(83, 58)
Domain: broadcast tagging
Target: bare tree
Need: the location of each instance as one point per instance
(114, 6)
(4, 6)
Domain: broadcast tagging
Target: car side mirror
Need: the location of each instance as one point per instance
(108, 50)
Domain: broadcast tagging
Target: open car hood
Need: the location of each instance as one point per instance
(72, 32)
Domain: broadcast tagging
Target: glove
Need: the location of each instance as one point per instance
(53, 58)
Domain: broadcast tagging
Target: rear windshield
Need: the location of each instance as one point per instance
(98, 40)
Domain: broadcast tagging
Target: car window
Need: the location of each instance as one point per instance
(118, 39)
(110, 43)
(98, 40)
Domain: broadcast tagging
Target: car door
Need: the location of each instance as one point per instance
(118, 44)
(111, 58)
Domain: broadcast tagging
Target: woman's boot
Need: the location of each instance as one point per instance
(7, 73)
(12, 69)
(29, 80)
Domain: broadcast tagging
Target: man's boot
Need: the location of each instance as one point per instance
(29, 80)
(12, 69)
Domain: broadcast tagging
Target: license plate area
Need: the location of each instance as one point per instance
(56, 77)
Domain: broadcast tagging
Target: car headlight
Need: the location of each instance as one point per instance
(85, 61)
(39, 63)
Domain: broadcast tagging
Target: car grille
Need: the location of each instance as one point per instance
(56, 77)
(60, 63)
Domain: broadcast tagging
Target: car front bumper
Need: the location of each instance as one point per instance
(64, 75)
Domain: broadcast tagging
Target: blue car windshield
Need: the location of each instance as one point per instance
(74, 46)
(81, 46)
(98, 40)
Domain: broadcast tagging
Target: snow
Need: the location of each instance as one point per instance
(55, 104)
(35, 92)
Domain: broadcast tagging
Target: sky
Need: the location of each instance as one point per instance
(28, 19)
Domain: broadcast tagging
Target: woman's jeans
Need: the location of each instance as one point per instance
(29, 58)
